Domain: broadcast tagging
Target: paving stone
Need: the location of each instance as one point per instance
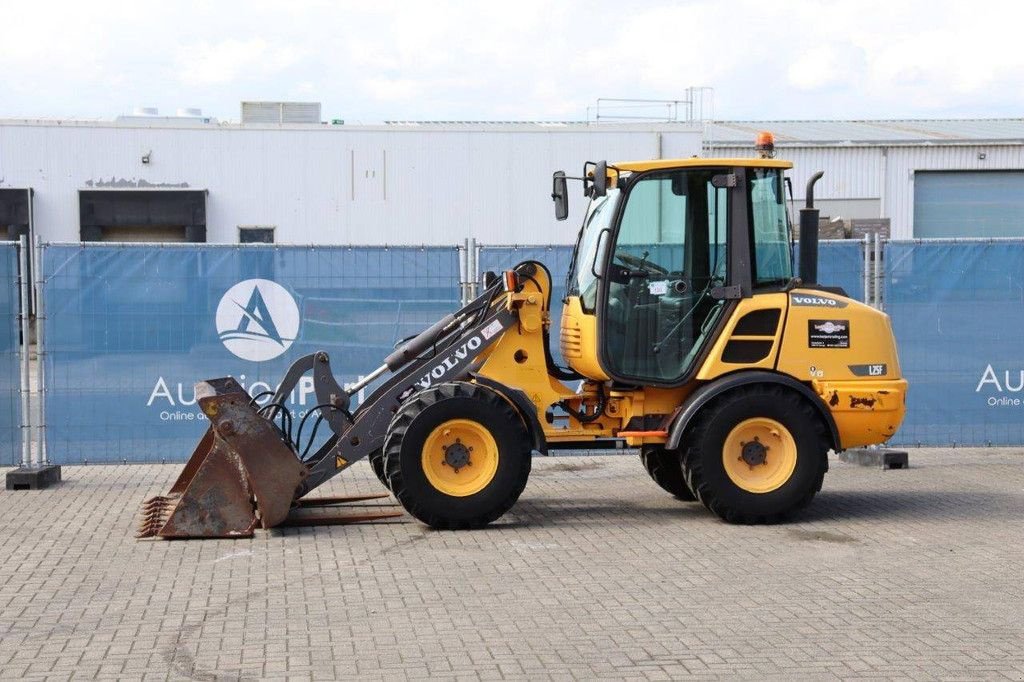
(595, 574)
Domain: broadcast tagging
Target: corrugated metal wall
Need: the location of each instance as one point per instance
(850, 173)
(903, 161)
(332, 185)
(417, 184)
(884, 173)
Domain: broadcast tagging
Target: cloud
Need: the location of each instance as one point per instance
(229, 60)
(536, 60)
(822, 66)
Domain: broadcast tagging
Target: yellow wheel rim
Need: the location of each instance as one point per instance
(759, 455)
(460, 457)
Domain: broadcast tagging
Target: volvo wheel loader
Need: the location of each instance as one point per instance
(687, 335)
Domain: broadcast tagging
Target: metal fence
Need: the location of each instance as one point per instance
(555, 258)
(957, 309)
(10, 368)
(126, 330)
(841, 263)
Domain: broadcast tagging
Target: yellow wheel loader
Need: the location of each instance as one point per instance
(687, 335)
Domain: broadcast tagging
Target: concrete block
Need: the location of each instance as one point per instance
(33, 478)
(882, 458)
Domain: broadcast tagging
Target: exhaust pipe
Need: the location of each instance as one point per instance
(809, 235)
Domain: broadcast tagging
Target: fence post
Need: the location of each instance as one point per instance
(31, 251)
(868, 273)
(39, 473)
(474, 274)
(463, 272)
(26, 403)
(879, 303)
(41, 455)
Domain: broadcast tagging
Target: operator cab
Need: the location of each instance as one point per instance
(665, 250)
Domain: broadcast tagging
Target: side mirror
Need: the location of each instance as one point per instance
(600, 183)
(560, 195)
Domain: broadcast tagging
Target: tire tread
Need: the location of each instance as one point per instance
(665, 469)
(692, 463)
(399, 427)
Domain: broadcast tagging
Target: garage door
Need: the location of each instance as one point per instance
(142, 215)
(969, 204)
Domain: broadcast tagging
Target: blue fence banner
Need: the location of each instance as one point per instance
(957, 309)
(129, 330)
(10, 371)
(555, 258)
(840, 264)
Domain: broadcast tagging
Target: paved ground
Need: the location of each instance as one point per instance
(596, 573)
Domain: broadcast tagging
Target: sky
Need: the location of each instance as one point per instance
(526, 60)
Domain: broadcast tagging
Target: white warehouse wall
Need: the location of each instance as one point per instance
(904, 161)
(332, 185)
(850, 172)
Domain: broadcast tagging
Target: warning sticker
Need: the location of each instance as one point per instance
(491, 329)
(828, 333)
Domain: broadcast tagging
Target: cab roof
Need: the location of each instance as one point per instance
(698, 162)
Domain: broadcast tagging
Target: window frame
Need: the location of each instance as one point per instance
(272, 229)
(739, 270)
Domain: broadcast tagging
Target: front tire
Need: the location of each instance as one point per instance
(756, 454)
(457, 456)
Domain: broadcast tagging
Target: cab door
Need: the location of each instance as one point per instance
(670, 255)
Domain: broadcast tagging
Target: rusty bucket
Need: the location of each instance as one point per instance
(242, 474)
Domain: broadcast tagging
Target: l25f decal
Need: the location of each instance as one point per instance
(875, 370)
(828, 333)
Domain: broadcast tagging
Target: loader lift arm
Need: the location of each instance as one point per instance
(451, 358)
(247, 472)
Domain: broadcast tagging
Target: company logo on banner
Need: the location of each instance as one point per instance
(1001, 383)
(257, 320)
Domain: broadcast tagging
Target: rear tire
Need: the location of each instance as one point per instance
(665, 469)
(756, 454)
(457, 456)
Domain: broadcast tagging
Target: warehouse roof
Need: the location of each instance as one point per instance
(729, 133)
(716, 133)
(733, 133)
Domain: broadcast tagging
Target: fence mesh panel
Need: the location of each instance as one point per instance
(957, 310)
(129, 330)
(10, 371)
(840, 264)
(555, 258)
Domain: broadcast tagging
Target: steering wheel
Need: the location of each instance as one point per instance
(639, 263)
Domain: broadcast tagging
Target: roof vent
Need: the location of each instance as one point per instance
(145, 111)
(189, 112)
(280, 112)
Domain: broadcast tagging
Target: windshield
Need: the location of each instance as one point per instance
(581, 280)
